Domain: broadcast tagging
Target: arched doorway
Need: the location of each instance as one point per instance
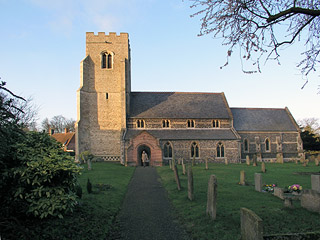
(139, 152)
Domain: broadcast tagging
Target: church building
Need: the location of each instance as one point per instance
(116, 124)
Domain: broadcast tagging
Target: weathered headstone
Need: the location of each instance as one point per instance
(89, 164)
(212, 197)
(248, 160)
(278, 192)
(254, 159)
(207, 166)
(226, 161)
(288, 202)
(280, 158)
(296, 161)
(251, 225)
(193, 160)
(310, 200)
(170, 164)
(176, 176)
(242, 178)
(263, 167)
(173, 163)
(190, 184)
(317, 160)
(315, 183)
(258, 182)
(183, 168)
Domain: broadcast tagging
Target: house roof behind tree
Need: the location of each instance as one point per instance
(67, 139)
(263, 119)
(179, 105)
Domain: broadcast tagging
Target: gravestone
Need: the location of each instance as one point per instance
(317, 160)
(183, 168)
(176, 176)
(315, 183)
(242, 178)
(288, 202)
(212, 197)
(226, 161)
(258, 182)
(248, 160)
(170, 164)
(207, 166)
(278, 192)
(190, 184)
(263, 167)
(280, 158)
(296, 161)
(254, 160)
(89, 164)
(193, 160)
(310, 200)
(251, 225)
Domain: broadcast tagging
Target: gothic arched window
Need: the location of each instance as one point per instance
(220, 150)
(109, 61)
(216, 123)
(194, 150)
(106, 60)
(246, 145)
(267, 142)
(167, 150)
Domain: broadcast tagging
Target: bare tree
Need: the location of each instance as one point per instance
(260, 28)
(58, 123)
(310, 124)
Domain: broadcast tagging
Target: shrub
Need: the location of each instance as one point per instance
(46, 178)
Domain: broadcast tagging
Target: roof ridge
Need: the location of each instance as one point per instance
(255, 108)
(179, 92)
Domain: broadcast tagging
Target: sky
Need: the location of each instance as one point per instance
(43, 42)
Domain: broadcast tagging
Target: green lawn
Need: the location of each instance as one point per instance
(94, 217)
(232, 196)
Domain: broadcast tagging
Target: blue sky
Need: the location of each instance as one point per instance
(43, 42)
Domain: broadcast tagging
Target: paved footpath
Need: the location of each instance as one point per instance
(146, 212)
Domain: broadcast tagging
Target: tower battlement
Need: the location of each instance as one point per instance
(103, 37)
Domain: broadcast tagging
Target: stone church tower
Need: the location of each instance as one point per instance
(103, 97)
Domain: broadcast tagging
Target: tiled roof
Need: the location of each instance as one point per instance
(178, 105)
(64, 138)
(263, 119)
(185, 134)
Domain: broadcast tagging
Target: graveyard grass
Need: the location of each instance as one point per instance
(232, 196)
(94, 218)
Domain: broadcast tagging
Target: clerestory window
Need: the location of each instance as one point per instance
(165, 123)
(216, 123)
(190, 123)
(140, 123)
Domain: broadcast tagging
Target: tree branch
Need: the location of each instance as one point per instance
(295, 10)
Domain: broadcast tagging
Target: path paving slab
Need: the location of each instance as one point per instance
(146, 212)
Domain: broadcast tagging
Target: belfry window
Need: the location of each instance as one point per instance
(220, 150)
(194, 150)
(167, 150)
(216, 123)
(267, 142)
(140, 123)
(165, 123)
(190, 123)
(106, 60)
